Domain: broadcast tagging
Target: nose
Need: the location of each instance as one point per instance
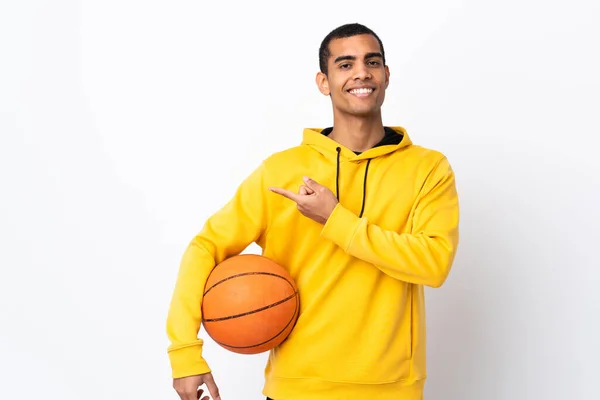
(362, 71)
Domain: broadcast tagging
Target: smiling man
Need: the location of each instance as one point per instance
(362, 218)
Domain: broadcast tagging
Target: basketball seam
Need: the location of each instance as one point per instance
(252, 311)
(296, 312)
(244, 274)
(294, 316)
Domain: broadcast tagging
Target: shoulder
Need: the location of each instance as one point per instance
(428, 155)
(285, 157)
(279, 164)
(425, 164)
(423, 157)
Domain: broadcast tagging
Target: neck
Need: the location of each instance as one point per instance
(357, 133)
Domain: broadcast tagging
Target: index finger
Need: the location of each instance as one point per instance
(212, 388)
(285, 193)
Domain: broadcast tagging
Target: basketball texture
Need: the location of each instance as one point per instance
(250, 304)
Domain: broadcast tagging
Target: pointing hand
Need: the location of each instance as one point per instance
(314, 201)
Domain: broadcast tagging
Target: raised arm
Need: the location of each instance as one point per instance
(423, 256)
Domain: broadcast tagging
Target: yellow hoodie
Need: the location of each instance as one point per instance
(361, 329)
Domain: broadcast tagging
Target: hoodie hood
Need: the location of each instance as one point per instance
(317, 139)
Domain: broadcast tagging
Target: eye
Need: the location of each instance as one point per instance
(374, 63)
(344, 66)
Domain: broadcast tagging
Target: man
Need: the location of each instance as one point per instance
(362, 218)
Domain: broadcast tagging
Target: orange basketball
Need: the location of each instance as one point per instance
(250, 304)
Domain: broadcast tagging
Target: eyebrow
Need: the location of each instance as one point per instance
(352, 58)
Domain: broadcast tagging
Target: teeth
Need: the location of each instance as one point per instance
(361, 91)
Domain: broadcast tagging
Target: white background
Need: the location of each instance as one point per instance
(125, 124)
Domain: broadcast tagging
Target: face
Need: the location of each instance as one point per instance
(357, 78)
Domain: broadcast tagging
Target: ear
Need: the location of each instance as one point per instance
(387, 76)
(323, 83)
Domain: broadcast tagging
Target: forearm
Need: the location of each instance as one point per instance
(425, 254)
(229, 231)
(184, 315)
(421, 258)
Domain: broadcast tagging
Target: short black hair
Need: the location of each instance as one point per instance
(340, 32)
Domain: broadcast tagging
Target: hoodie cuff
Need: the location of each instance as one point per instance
(188, 361)
(341, 227)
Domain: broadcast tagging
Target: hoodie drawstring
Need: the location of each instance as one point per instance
(337, 181)
(337, 174)
(362, 208)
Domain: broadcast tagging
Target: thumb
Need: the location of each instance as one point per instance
(312, 184)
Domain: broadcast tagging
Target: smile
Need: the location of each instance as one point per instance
(362, 92)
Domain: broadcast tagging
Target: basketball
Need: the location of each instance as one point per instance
(250, 304)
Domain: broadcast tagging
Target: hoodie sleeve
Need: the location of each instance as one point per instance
(423, 256)
(228, 232)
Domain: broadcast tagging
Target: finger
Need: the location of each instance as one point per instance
(285, 193)
(305, 190)
(313, 185)
(212, 388)
(200, 395)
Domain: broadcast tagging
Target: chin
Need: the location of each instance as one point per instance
(359, 110)
(363, 112)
